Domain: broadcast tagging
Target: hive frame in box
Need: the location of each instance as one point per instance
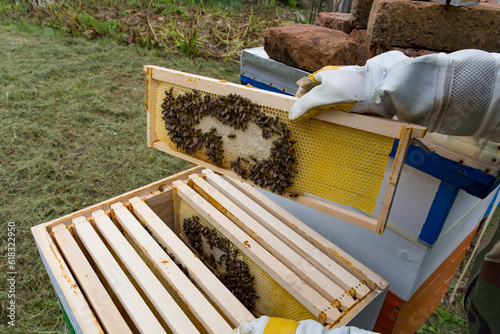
(157, 199)
(389, 128)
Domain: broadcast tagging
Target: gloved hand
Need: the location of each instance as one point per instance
(266, 325)
(340, 88)
(454, 94)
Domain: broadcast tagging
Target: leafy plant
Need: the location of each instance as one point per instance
(93, 27)
(194, 28)
(442, 322)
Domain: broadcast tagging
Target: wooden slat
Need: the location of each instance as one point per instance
(187, 291)
(327, 247)
(71, 296)
(397, 167)
(299, 289)
(311, 275)
(232, 308)
(164, 304)
(130, 299)
(107, 312)
(372, 124)
(143, 192)
(337, 211)
(322, 262)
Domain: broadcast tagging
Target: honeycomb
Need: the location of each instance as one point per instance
(274, 300)
(337, 163)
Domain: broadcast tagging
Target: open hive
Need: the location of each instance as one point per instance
(134, 264)
(331, 160)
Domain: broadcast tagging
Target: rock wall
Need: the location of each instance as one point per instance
(376, 26)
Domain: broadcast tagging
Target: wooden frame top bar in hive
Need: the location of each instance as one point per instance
(341, 157)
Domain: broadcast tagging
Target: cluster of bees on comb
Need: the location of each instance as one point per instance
(233, 272)
(183, 112)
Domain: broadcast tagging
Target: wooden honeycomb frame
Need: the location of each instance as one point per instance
(369, 124)
(107, 282)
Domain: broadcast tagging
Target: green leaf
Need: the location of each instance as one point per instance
(185, 48)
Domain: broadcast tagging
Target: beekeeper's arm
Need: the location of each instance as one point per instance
(266, 325)
(455, 94)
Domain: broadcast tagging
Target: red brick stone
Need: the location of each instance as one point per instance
(335, 21)
(309, 47)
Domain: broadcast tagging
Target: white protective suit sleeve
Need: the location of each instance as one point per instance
(454, 94)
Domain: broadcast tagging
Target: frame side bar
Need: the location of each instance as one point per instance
(397, 168)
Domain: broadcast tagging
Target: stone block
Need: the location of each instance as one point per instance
(365, 48)
(335, 21)
(434, 26)
(309, 47)
(360, 13)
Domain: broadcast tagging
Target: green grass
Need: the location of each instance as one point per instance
(72, 134)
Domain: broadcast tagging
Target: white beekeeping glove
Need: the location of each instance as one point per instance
(267, 325)
(456, 94)
(252, 327)
(348, 85)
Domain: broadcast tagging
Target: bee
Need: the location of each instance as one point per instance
(183, 111)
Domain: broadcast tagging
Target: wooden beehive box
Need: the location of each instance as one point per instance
(154, 260)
